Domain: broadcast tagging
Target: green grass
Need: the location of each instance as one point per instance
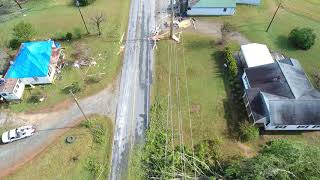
(206, 86)
(252, 22)
(55, 17)
(56, 161)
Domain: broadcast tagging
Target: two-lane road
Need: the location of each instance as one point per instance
(133, 105)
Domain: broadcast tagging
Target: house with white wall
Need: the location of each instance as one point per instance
(278, 95)
(35, 63)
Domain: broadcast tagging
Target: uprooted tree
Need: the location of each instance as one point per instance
(97, 20)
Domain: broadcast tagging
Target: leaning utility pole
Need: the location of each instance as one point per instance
(172, 19)
(273, 17)
(18, 4)
(78, 5)
(76, 100)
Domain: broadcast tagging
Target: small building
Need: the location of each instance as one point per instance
(211, 7)
(34, 64)
(252, 55)
(279, 96)
(11, 89)
(251, 2)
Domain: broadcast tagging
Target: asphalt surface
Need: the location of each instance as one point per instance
(133, 105)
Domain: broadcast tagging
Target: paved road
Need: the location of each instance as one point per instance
(133, 104)
(50, 125)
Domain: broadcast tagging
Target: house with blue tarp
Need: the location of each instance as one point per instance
(35, 63)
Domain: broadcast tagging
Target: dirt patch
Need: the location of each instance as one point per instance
(214, 29)
(246, 150)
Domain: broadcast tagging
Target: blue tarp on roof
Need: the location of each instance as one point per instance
(32, 60)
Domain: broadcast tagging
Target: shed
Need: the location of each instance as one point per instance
(211, 7)
(252, 55)
(251, 2)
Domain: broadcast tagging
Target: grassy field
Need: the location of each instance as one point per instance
(206, 85)
(252, 22)
(58, 160)
(51, 18)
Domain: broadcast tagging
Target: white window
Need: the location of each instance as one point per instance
(15, 91)
(19, 81)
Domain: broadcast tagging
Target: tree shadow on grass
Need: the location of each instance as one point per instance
(283, 43)
(231, 112)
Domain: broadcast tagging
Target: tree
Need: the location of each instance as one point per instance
(279, 159)
(23, 31)
(97, 20)
(303, 38)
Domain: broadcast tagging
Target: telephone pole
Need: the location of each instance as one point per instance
(172, 19)
(274, 15)
(76, 100)
(17, 4)
(78, 5)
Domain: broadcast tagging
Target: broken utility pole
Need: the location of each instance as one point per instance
(273, 17)
(18, 3)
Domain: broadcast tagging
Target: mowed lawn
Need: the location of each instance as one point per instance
(70, 161)
(252, 22)
(209, 103)
(51, 18)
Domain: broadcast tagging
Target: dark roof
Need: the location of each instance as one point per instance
(269, 78)
(290, 97)
(295, 112)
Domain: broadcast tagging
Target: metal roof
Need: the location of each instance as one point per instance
(256, 54)
(214, 3)
(289, 97)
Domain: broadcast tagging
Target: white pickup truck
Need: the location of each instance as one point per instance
(18, 133)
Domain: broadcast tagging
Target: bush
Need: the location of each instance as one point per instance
(92, 79)
(84, 2)
(303, 38)
(98, 133)
(14, 43)
(87, 124)
(23, 31)
(248, 131)
(77, 33)
(93, 166)
(74, 87)
(69, 36)
(35, 97)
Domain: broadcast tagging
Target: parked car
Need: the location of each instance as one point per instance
(18, 133)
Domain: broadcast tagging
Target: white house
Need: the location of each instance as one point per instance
(211, 7)
(34, 64)
(11, 89)
(251, 2)
(252, 55)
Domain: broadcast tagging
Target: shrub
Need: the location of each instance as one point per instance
(87, 124)
(92, 79)
(23, 31)
(77, 33)
(14, 43)
(93, 166)
(227, 27)
(98, 133)
(74, 87)
(35, 97)
(84, 2)
(248, 132)
(69, 36)
(303, 38)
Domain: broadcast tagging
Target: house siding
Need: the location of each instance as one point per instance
(195, 11)
(252, 2)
